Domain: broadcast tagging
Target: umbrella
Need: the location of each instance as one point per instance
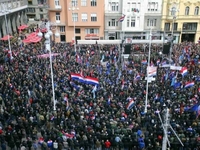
(32, 35)
(41, 30)
(35, 39)
(6, 37)
(26, 41)
(22, 27)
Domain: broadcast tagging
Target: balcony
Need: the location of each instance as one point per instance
(56, 8)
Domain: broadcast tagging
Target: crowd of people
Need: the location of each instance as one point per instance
(111, 116)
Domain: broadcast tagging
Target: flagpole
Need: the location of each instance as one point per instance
(147, 84)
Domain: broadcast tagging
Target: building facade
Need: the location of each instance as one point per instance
(113, 11)
(141, 16)
(36, 11)
(181, 18)
(15, 14)
(82, 19)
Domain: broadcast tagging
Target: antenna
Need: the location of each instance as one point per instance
(165, 127)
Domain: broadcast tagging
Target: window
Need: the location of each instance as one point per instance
(173, 11)
(91, 31)
(57, 16)
(41, 2)
(189, 26)
(93, 2)
(74, 3)
(93, 17)
(153, 6)
(196, 11)
(30, 2)
(62, 28)
(167, 26)
(113, 23)
(77, 30)
(83, 2)
(31, 10)
(41, 16)
(84, 17)
(175, 26)
(41, 10)
(132, 21)
(57, 2)
(128, 6)
(62, 38)
(74, 17)
(128, 22)
(187, 10)
(114, 6)
(151, 22)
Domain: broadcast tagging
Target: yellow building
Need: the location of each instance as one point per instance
(183, 16)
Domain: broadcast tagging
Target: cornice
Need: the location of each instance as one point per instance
(197, 3)
(187, 3)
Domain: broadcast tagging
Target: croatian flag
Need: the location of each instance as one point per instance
(130, 105)
(75, 76)
(164, 63)
(199, 62)
(52, 118)
(67, 135)
(144, 62)
(41, 140)
(195, 108)
(158, 62)
(152, 71)
(121, 19)
(137, 77)
(184, 71)
(91, 80)
(189, 84)
(199, 90)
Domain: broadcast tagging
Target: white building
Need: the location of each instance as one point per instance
(113, 11)
(141, 15)
(15, 13)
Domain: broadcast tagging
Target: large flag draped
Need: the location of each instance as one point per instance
(86, 80)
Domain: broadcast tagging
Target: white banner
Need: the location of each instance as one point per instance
(175, 67)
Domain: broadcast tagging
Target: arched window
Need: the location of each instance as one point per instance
(173, 11)
(196, 11)
(187, 10)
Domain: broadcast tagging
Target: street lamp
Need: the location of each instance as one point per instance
(148, 65)
(73, 9)
(5, 12)
(173, 11)
(47, 36)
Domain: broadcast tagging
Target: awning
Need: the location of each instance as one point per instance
(92, 37)
(6, 37)
(22, 27)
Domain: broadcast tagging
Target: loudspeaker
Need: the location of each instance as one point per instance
(127, 49)
(166, 48)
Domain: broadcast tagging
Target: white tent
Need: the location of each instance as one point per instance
(90, 42)
(147, 41)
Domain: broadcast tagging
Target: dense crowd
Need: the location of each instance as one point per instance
(102, 118)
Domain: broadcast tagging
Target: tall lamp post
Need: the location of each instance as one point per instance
(47, 36)
(73, 8)
(147, 84)
(5, 12)
(173, 11)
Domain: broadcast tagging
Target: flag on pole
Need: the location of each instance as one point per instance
(121, 19)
